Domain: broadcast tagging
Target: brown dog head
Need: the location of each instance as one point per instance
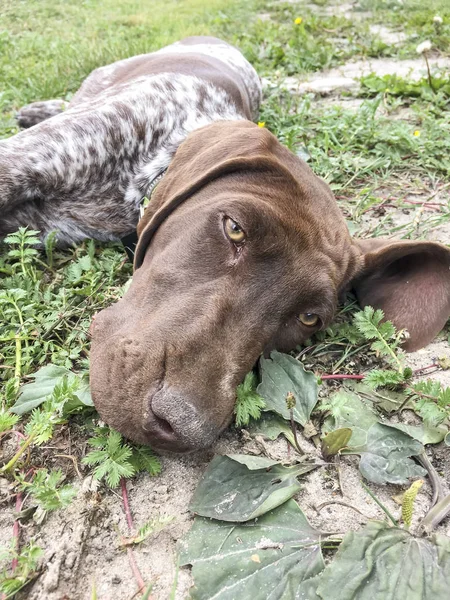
(243, 249)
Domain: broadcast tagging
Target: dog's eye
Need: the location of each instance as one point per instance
(233, 231)
(308, 319)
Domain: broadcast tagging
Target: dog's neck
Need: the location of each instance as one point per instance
(129, 241)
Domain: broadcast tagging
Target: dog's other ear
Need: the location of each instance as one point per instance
(206, 154)
(410, 282)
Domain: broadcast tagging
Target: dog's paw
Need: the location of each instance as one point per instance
(34, 113)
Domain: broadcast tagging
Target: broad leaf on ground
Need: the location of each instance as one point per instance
(232, 491)
(272, 557)
(385, 457)
(347, 410)
(281, 374)
(380, 562)
(335, 441)
(34, 394)
(424, 433)
(271, 426)
(73, 390)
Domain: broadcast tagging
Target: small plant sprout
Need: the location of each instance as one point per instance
(115, 459)
(46, 490)
(249, 403)
(25, 564)
(290, 404)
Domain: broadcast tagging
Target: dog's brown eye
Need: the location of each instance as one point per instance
(234, 231)
(308, 319)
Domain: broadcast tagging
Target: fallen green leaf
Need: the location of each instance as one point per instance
(385, 457)
(281, 374)
(271, 426)
(335, 441)
(424, 433)
(347, 410)
(34, 394)
(253, 462)
(231, 491)
(274, 557)
(45, 381)
(380, 562)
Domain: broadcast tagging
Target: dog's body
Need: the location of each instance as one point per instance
(85, 171)
(242, 248)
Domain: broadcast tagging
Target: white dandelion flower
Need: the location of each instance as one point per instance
(423, 47)
(438, 20)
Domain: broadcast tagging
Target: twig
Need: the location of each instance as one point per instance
(294, 431)
(337, 461)
(360, 377)
(341, 503)
(74, 460)
(133, 564)
(419, 371)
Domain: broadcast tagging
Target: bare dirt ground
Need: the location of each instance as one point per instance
(82, 543)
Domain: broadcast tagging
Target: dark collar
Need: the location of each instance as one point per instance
(130, 240)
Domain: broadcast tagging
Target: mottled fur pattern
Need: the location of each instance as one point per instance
(84, 171)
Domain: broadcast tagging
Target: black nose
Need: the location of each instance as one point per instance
(173, 423)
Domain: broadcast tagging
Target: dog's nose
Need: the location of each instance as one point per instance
(174, 423)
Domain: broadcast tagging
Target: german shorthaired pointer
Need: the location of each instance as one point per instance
(241, 249)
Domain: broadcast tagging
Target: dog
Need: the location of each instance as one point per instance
(241, 249)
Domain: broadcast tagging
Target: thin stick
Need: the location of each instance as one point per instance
(383, 508)
(294, 431)
(341, 503)
(337, 461)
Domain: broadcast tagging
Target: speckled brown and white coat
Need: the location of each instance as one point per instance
(84, 170)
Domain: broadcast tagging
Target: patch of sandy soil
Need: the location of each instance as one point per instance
(346, 77)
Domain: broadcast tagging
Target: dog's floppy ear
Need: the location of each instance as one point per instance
(206, 154)
(410, 282)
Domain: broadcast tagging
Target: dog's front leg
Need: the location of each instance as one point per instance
(70, 173)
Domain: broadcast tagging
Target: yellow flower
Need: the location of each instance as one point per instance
(416, 133)
(261, 123)
(298, 21)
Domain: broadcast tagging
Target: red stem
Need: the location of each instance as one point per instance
(16, 531)
(415, 372)
(126, 504)
(341, 377)
(135, 569)
(131, 559)
(432, 366)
